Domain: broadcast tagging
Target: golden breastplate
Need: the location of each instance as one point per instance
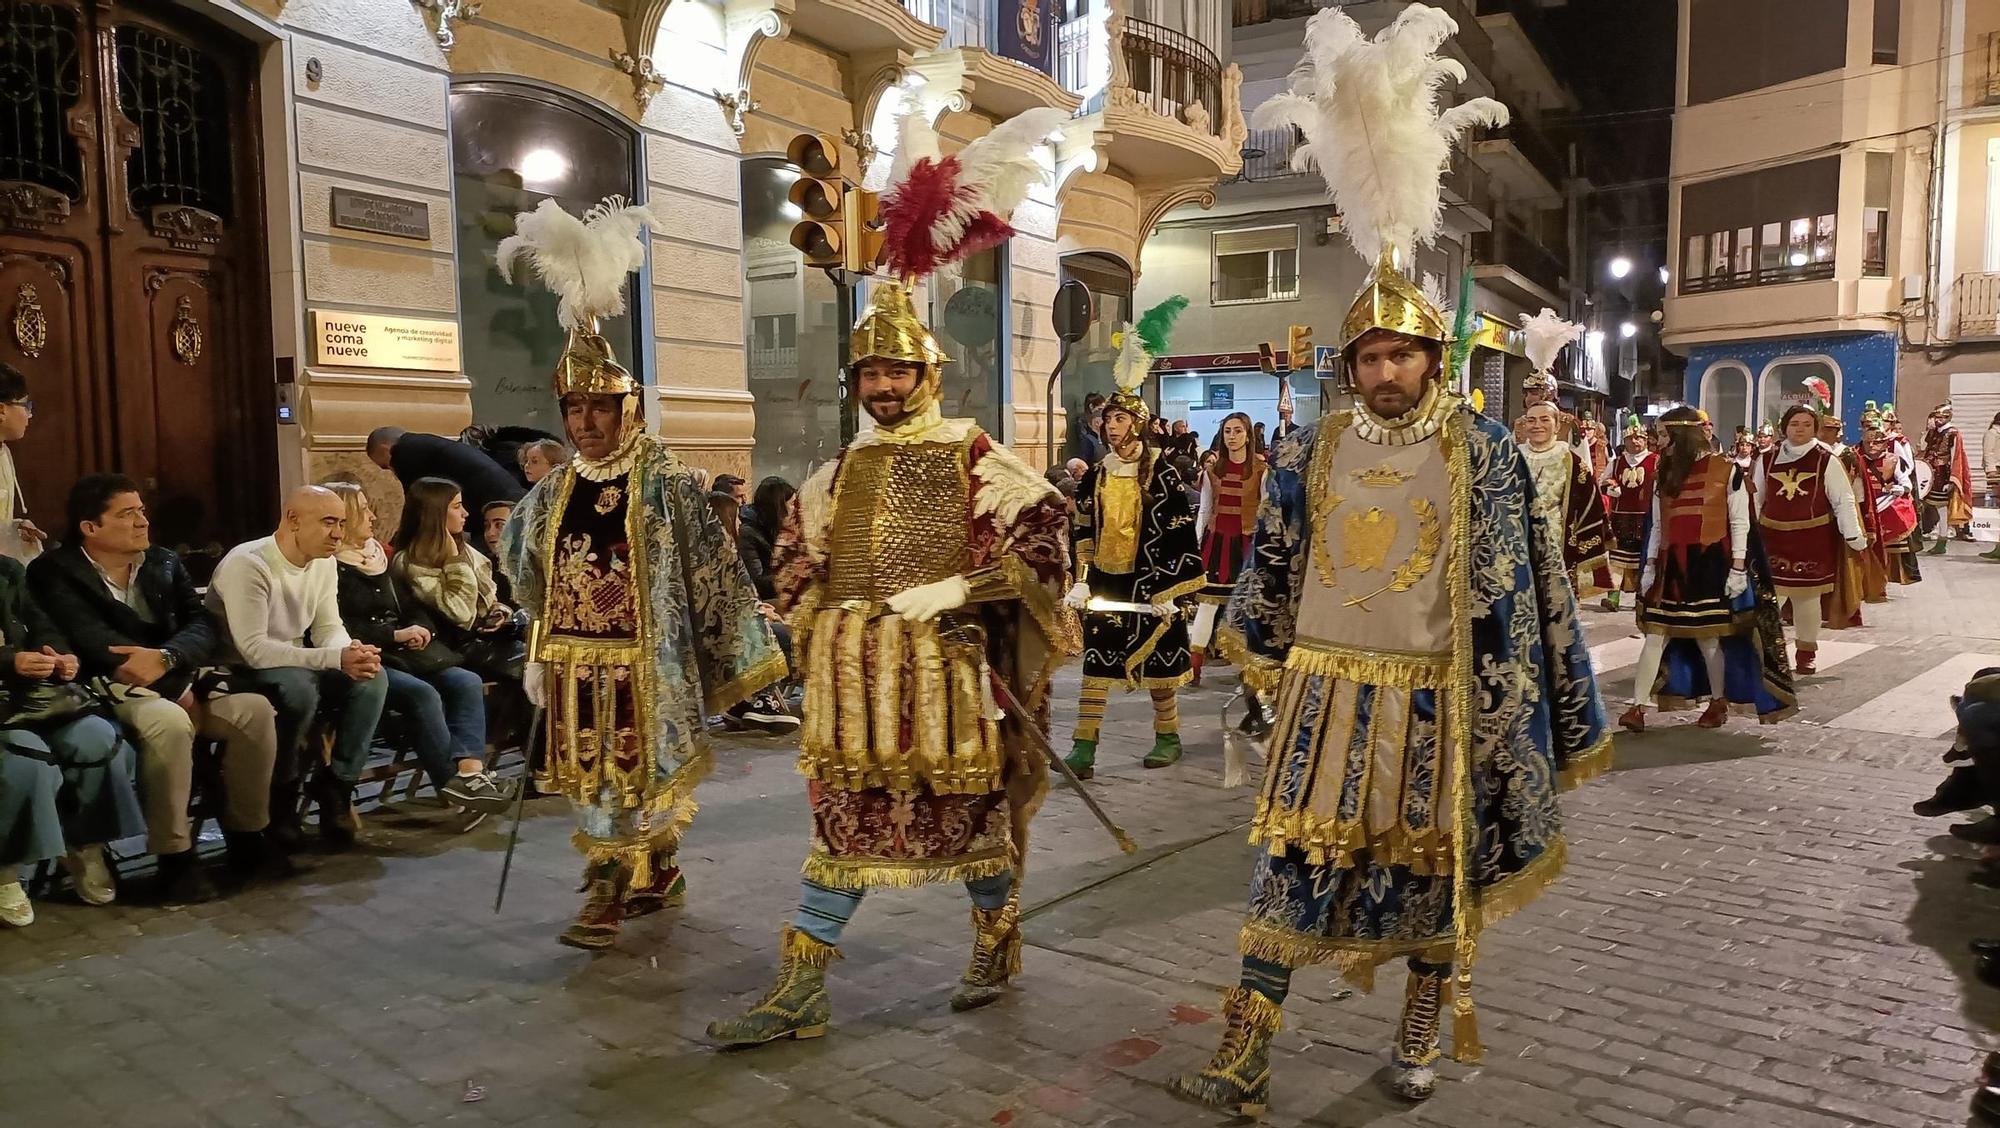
(899, 520)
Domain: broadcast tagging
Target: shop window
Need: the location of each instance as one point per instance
(1725, 395)
(1784, 384)
(794, 316)
(513, 147)
(1256, 265)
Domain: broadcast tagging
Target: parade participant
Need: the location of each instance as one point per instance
(922, 566)
(1906, 454)
(1743, 452)
(1400, 604)
(1630, 488)
(1805, 509)
(1706, 605)
(645, 621)
(1895, 510)
(1767, 439)
(1136, 546)
(1230, 492)
(1951, 481)
(1568, 502)
(1832, 432)
(1864, 574)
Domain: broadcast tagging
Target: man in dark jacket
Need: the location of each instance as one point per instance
(481, 480)
(135, 619)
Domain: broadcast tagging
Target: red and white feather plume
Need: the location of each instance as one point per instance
(1819, 396)
(938, 209)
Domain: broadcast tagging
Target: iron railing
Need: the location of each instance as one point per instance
(1081, 64)
(1510, 246)
(1977, 299)
(1267, 154)
(1171, 71)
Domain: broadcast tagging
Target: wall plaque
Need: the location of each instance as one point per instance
(367, 340)
(382, 215)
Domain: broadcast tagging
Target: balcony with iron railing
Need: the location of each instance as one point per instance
(1976, 298)
(1510, 249)
(1166, 102)
(1267, 155)
(1471, 38)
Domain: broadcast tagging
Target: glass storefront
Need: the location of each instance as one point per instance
(514, 146)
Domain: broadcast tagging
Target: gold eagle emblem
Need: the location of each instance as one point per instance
(1792, 483)
(1366, 538)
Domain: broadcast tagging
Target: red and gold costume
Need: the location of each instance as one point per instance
(1629, 486)
(1808, 520)
(1949, 495)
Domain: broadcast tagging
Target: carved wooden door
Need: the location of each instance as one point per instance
(131, 260)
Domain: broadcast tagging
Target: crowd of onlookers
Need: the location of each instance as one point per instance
(127, 690)
(1177, 441)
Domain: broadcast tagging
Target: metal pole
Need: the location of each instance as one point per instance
(1049, 406)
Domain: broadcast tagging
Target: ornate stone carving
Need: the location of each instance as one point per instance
(641, 20)
(1119, 90)
(747, 26)
(646, 80)
(1196, 115)
(446, 13)
(864, 145)
(738, 105)
(31, 324)
(30, 207)
(1235, 131)
(186, 331)
(185, 228)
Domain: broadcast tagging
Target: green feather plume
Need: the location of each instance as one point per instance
(1461, 329)
(1156, 324)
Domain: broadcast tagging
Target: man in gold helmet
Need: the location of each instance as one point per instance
(921, 565)
(646, 624)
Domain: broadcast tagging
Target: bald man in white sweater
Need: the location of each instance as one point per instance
(281, 623)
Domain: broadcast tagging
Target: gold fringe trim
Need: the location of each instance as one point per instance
(1378, 668)
(1593, 763)
(634, 854)
(1329, 840)
(884, 873)
(1356, 960)
(1258, 672)
(1512, 893)
(795, 946)
(589, 652)
(1174, 682)
(747, 684)
(1258, 1011)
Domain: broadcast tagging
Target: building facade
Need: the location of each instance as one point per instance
(1269, 254)
(237, 235)
(1835, 207)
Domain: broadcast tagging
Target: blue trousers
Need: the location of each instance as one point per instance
(30, 821)
(446, 718)
(296, 693)
(98, 801)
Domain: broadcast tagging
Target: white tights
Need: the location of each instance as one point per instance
(1649, 667)
(1805, 620)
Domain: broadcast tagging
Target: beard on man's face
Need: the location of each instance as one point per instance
(885, 408)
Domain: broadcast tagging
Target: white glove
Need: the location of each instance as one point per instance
(535, 679)
(1739, 582)
(1077, 597)
(1858, 544)
(925, 602)
(1646, 578)
(1165, 610)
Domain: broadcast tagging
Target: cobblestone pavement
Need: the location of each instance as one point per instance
(1753, 930)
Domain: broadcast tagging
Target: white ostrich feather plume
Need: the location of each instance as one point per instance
(1546, 335)
(1369, 112)
(583, 261)
(1133, 362)
(994, 171)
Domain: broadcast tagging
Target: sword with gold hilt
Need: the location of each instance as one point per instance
(959, 630)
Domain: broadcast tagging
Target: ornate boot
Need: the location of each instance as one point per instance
(666, 890)
(1716, 713)
(1238, 1077)
(996, 955)
(596, 924)
(1413, 1063)
(1082, 758)
(1166, 750)
(1634, 719)
(795, 1007)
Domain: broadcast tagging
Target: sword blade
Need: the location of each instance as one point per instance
(520, 803)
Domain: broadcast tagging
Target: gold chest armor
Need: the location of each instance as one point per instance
(899, 520)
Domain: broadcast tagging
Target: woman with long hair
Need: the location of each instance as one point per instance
(441, 701)
(758, 536)
(1231, 487)
(441, 570)
(1705, 601)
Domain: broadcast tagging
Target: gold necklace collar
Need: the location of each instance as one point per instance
(1416, 426)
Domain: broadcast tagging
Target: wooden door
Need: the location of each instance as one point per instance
(136, 218)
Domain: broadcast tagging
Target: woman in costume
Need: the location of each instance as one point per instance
(1805, 510)
(1706, 605)
(1230, 491)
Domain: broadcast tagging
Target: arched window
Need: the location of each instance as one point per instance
(1110, 282)
(513, 146)
(1784, 384)
(1725, 395)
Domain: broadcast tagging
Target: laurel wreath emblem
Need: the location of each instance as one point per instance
(1430, 538)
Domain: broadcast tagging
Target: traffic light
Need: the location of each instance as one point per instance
(1301, 351)
(818, 194)
(861, 214)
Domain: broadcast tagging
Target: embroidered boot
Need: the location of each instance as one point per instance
(1082, 758)
(1413, 1062)
(666, 890)
(996, 955)
(795, 1007)
(1166, 750)
(1238, 1077)
(1807, 662)
(596, 924)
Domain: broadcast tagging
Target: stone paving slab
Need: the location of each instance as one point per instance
(1753, 930)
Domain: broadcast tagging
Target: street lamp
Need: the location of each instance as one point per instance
(1627, 331)
(1621, 266)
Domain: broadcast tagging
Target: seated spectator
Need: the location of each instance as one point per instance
(137, 622)
(413, 456)
(30, 828)
(733, 486)
(277, 600)
(494, 520)
(760, 524)
(540, 457)
(454, 582)
(19, 538)
(46, 716)
(442, 701)
(1077, 468)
